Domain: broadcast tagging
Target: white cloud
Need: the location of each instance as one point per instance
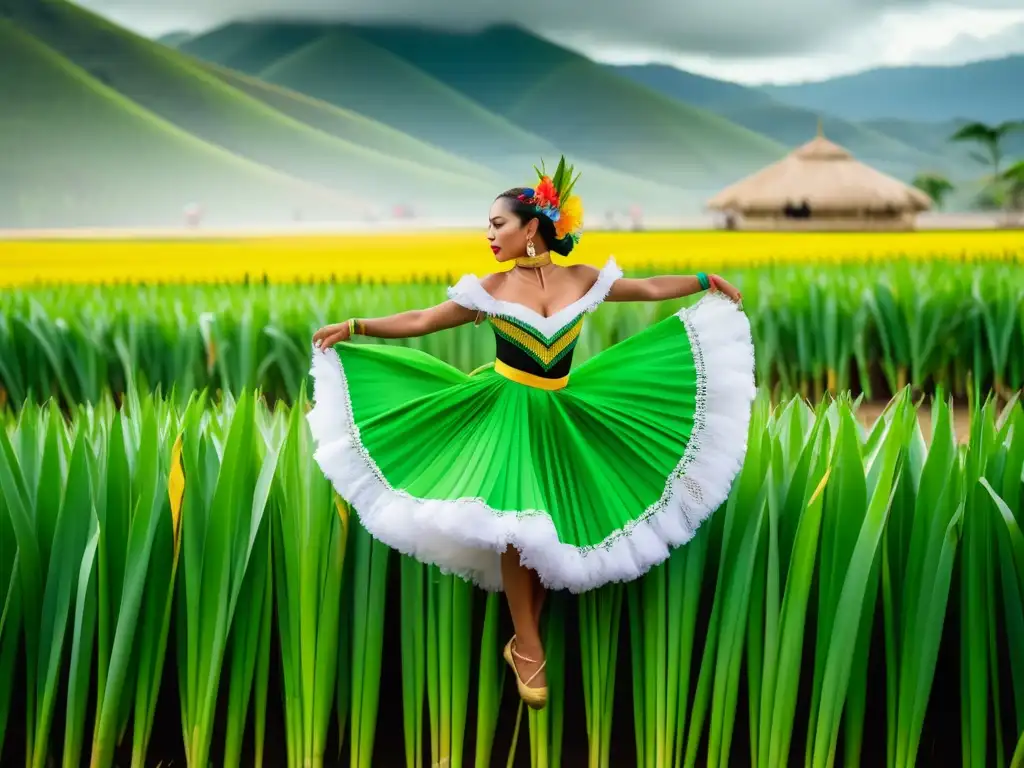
(978, 44)
(744, 40)
(943, 34)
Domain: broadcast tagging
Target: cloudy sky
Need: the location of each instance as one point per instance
(740, 40)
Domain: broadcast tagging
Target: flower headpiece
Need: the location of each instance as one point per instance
(552, 197)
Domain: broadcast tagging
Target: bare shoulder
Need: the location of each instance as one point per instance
(493, 281)
(583, 274)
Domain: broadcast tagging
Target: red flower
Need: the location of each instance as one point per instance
(546, 194)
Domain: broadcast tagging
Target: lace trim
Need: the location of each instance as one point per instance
(694, 444)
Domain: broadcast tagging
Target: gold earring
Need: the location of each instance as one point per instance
(530, 250)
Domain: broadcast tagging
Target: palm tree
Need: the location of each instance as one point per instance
(1013, 177)
(990, 137)
(935, 185)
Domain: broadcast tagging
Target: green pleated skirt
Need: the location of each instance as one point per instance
(592, 483)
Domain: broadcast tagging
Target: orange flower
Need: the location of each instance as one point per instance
(570, 217)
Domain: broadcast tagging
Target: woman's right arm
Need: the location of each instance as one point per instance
(404, 325)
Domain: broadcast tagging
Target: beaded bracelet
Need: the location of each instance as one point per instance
(703, 280)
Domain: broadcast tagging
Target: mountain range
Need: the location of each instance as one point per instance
(268, 122)
(987, 91)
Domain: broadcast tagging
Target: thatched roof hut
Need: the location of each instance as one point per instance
(820, 186)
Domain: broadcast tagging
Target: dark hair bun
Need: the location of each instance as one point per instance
(563, 246)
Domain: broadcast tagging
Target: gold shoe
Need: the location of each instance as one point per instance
(535, 698)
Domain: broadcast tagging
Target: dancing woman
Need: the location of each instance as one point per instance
(521, 477)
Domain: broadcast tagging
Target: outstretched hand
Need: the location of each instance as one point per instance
(330, 335)
(723, 285)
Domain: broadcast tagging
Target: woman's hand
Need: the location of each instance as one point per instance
(723, 285)
(330, 335)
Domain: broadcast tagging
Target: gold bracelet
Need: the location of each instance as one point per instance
(351, 328)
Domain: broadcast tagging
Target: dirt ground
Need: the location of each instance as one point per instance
(869, 413)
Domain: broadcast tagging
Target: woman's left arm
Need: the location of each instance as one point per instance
(664, 287)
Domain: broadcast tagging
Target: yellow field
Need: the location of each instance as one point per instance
(392, 257)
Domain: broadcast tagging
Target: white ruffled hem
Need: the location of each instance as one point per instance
(467, 537)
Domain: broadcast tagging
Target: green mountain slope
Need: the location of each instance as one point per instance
(251, 47)
(345, 70)
(169, 85)
(793, 127)
(698, 90)
(121, 165)
(930, 137)
(583, 107)
(341, 68)
(986, 90)
(786, 124)
(347, 125)
(174, 39)
(667, 140)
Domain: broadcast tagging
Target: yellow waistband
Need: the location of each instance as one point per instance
(529, 379)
